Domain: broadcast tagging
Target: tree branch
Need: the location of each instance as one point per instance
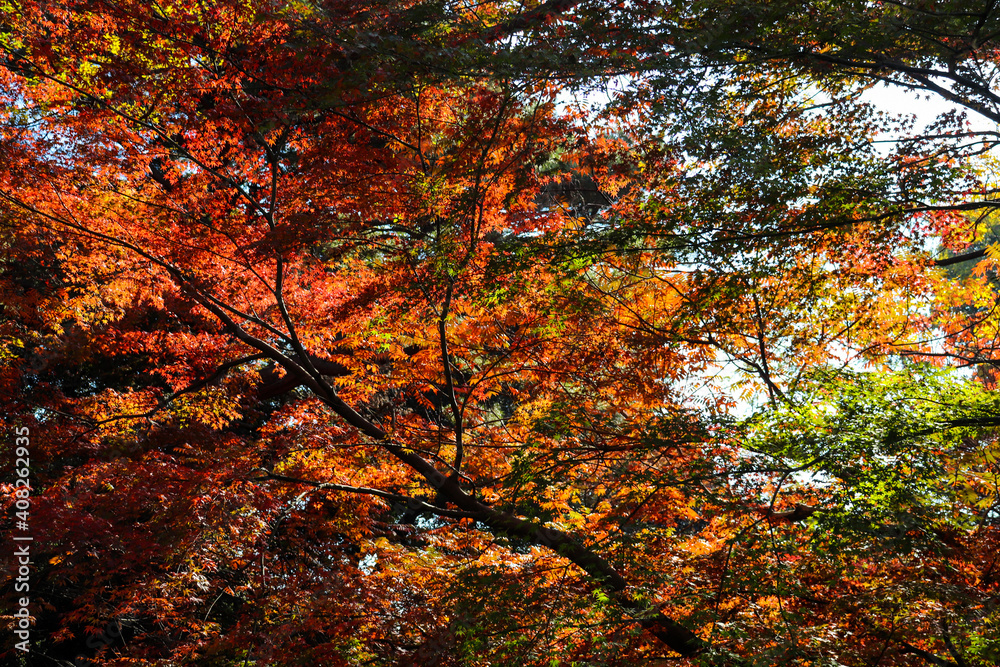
(410, 502)
(958, 259)
(926, 655)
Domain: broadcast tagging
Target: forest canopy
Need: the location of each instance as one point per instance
(381, 332)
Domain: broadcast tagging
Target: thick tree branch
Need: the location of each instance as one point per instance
(801, 512)
(530, 19)
(410, 502)
(926, 655)
(958, 259)
(448, 379)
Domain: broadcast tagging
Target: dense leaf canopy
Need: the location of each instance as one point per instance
(390, 332)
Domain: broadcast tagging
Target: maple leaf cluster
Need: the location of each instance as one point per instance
(452, 333)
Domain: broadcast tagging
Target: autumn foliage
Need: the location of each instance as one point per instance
(451, 333)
